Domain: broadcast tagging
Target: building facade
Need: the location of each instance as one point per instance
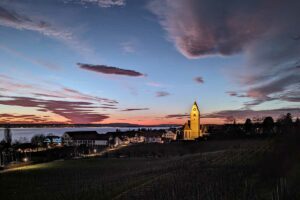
(192, 128)
(87, 138)
(170, 135)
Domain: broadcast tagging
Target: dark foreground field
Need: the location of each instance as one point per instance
(207, 170)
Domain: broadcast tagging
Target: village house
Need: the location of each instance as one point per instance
(129, 136)
(116, 142)
(153, 137)
(137, 139)
(53, 141)
(88, 138)
(169, 135)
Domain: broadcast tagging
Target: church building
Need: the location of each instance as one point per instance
(192, 128)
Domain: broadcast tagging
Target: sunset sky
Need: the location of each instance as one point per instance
(146, 62)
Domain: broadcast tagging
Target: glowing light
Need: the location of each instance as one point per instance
(95, 150)
(25, 159)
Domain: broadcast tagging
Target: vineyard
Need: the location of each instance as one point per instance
(230, 173)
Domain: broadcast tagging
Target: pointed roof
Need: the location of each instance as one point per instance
(186, 126)
(195, 104)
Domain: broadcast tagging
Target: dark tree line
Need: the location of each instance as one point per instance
(267, 127)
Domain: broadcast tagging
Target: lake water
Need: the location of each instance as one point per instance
(27, 133)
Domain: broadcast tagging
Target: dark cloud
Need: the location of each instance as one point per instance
(108, 107)
(9, 16)
(285, 87)
(199, 79)
(236, 94)
(177, 116)
(208, 27)
(162, 94)
(104, 69)
(232, 93)
(135, 109)
(75, 112)
(265, 31)
(277, 89)
(248, 113)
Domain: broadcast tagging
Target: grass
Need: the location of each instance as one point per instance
(207, 170)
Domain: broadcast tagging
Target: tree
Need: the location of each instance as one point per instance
(288, 120)
(38, 139)
(248, 126)
(285, 123)
(7, 135)
(297, 123)
(268, 125)
(21, 140)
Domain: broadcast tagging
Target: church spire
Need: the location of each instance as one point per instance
(195, 104)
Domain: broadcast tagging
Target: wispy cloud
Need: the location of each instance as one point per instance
(100, 3)
(155, 84)
(128, 47)
(104, 69)
(17, 87)
(162, 94)
(35, 61)
(10, 85)
(12, 19)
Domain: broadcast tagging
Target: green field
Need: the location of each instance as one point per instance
(215, 170)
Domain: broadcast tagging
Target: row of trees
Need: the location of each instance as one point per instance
(269, 126)
(266, 127)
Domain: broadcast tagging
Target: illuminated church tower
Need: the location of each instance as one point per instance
(192, 127)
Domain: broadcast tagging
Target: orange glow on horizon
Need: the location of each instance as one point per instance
(129, 120)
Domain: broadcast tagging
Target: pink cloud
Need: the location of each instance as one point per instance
(75, 112)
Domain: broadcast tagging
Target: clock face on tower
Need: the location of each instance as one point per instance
(194, 109)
